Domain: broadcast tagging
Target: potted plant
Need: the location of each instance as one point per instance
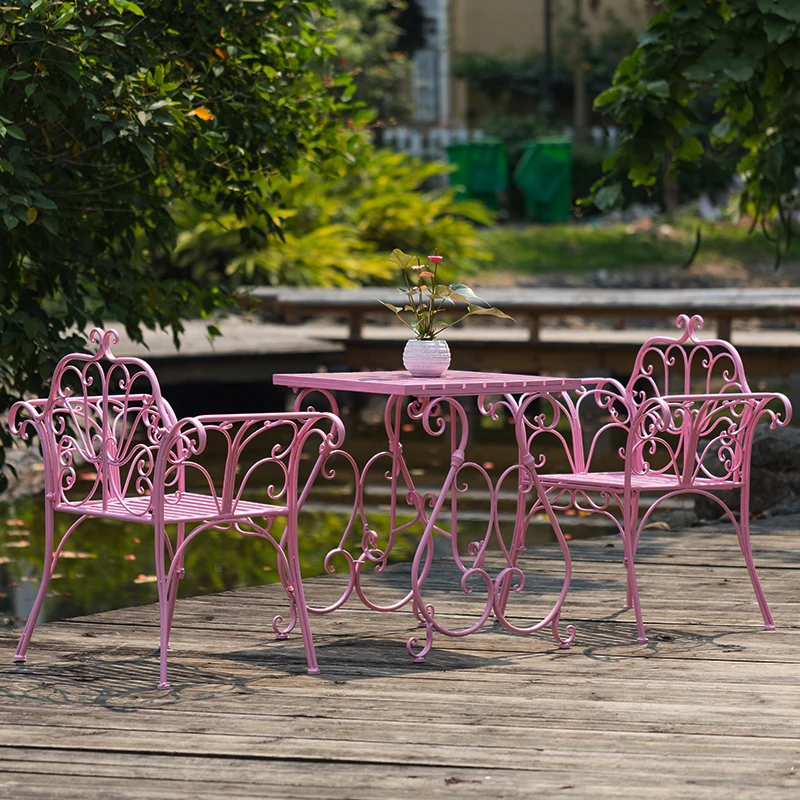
(425, 356)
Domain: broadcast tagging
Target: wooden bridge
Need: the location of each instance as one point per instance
(720, 307)
(310, 329)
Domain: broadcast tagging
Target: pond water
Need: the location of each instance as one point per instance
(109, 564)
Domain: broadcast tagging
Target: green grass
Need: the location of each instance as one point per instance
(584, 247)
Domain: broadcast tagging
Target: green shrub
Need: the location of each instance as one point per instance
(339, 223)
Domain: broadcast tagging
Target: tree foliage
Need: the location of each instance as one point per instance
(745, 51)
(109, 111)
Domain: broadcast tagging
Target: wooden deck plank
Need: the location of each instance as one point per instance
(153, 776)
(709, 707)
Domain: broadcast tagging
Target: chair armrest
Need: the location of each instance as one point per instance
(189, 436)
(19, 425)
(728, 419)
(729, 398)
(335, 437)
(33, 408)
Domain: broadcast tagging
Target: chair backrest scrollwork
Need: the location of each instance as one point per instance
(686, 364)
(102, 423)
(706, 435)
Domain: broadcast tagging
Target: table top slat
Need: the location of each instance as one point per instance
(453, 383)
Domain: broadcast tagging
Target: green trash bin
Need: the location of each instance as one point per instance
(481, 168)
(544, 176)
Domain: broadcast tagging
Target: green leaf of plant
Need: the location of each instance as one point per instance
(627, 66)
(643, 174)
(402, 259)
(43, 203)
(608, 97)
(114, 37)
(132, 7)
(491, 312)
(778, 31)
(790, 54)
(721, 129)
(788, 9)
(678, 120)
(50, 223)
(658, 88)
(11, 221)
(608, 196)
(740, 70)
(460, 291)
(690, 150)
(743, 115)
(145, 149)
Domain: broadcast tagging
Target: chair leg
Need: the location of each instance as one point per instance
(743, 533)
(629, 544)
(296, 577)
(164, 592)
(47, 572)
(177, 575)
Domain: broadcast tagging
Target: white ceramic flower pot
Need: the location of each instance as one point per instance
(426, 358)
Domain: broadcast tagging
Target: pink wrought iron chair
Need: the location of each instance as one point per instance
(105, 415)
(683, 423)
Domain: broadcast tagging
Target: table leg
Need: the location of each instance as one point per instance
(527, 481)
(398, 474)
(427, 410)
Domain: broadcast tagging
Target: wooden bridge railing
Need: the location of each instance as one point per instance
(721, 306)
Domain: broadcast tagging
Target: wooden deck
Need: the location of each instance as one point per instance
(709, 708)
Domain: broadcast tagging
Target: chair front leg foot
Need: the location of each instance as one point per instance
(418, 657)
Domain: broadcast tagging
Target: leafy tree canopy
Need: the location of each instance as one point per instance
(109, 111)
(745, 51)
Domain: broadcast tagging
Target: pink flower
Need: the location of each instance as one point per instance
(435, 259)
(426, 274)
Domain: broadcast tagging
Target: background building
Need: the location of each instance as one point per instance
(511, 31)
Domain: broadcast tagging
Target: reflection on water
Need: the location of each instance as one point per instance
(109, 564)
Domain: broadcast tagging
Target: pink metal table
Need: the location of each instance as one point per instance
(436, 404)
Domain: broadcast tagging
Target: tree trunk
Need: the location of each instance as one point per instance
(546, 109)
(579, 79)
(671, 187)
